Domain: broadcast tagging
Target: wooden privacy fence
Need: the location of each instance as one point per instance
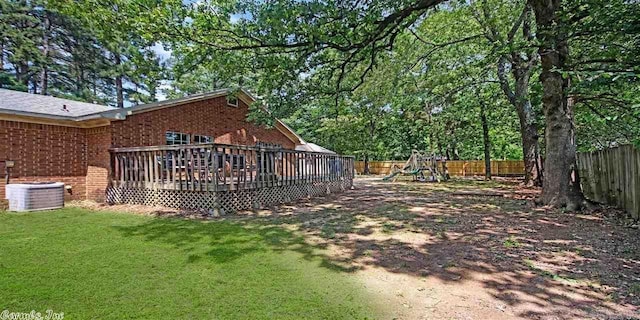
(225, 177)
(612, 176)
(456, 167)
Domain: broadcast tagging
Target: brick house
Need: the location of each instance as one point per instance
(53, 139)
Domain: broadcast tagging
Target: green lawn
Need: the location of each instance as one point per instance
(114, 266)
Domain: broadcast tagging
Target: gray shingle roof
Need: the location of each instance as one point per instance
(34, 104)
(312, 147)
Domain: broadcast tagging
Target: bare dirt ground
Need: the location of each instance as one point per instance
(470, 250)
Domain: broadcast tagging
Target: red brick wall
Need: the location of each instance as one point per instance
(210, 117)
(43, 150)
(98, 157)
(80, 158)
(77, 192)
(44, 153)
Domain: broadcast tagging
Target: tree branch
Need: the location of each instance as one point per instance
(517, 23)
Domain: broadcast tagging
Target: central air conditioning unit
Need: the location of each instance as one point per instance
(35, 196)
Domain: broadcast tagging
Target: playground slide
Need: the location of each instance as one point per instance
(389, 177)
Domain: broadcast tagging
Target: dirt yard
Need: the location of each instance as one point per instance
(442, 251)
(470, 250)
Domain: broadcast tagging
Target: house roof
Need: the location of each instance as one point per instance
(121, 113)
(242, 94)
(38, 106)
(312, 147)
(29, 104)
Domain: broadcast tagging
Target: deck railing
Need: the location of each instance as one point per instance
(218, 167)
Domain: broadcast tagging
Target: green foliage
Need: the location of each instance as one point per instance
(80, 50)
(429, 105)
(375, 80)
(604, 68)
(7, 81)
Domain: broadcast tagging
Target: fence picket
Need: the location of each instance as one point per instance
(612, 176)
(455, 167)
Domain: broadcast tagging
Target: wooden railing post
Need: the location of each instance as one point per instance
(198, 168)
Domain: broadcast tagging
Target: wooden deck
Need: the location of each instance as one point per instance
(224, 169)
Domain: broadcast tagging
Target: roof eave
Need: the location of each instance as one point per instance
(122, 113)
(245, 96)
(36, 114)
(287, 131)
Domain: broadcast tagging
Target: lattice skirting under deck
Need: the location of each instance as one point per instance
(229, 201)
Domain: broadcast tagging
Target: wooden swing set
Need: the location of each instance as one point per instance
(423, 167)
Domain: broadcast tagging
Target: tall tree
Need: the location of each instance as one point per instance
(516, 55)
(109, 62)
(46, 51)
(608, 35)
(21, 36)
(485, 136)
(558, 189)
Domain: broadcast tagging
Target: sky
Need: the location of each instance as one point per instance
(164, 55)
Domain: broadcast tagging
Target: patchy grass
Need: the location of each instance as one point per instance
(388, 227)
(441, 235)
(113, 266)
(421, 250)
(511, 242)
(456, 250)
(548, 274)
(328, 232)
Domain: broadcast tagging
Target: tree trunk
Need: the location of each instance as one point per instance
(519, 98)
(454, 150)
(429, 109)
(22, 74)
(522, 62)
(485, 139)
(1, 55)
(153, 90)
(44, 73)
(78, 81)
(119, 93)
(372, 132)
(558, 190)
(529, 135)
(94, 80)
(34, 84)
(366, 164)
(44, 80)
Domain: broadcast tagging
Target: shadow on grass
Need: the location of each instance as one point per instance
(547, 262)
(224, 242)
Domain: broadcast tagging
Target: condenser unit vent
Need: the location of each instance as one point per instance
(35, 196)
